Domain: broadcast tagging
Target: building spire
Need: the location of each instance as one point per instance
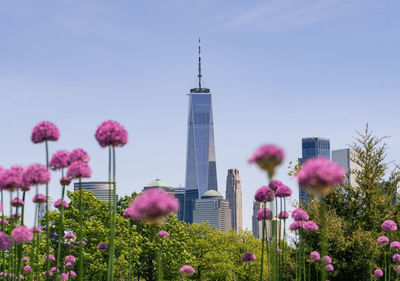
(199, 75)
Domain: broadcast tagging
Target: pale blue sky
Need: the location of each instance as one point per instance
(279, 70)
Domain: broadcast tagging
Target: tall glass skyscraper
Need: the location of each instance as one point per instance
(201, 170)
(312, 147)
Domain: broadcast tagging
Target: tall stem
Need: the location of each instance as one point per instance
(262, 244)
(80, 273)
(324, 247)
(47, 214)
(110, 212)
(61, 227)
(2, 229)
(114, 199)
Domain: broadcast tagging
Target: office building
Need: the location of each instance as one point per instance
(342, 157)
(234, 197)
(270, 226)
(42, 208)
(100, 189)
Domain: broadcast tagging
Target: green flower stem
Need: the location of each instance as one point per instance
(280, 244)
(112, 216)
(389, 267)
(19, 249)
(262, 244)
(110, 211)
(284, 236)
(61, 228)
(3, 264)
(47, 214)
(33, 254)
(384, 254)
(10, 260)
(80, 273)
(324, 250)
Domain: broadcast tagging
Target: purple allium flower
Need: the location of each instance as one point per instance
(5, 242)
(25, 259)
(70, 258)
(27, 269)
(65, 181)
(396, 258)
(249, 257)
(278, 250)
(69, 264)
(35, 174)
(45, 131)
(10, 179)
(60, 160)
(79, 155)
(36, 229)
(16, 202)
(275, 184)
(329, 267)
(72, 273)
(21, 277)
(315, 256)
(320, 174)
(299, 215)
(69, 236)
(267, 158)
(283, 191)
(310, 226)
(111, 133)
(50, 257)
(398, 269)
(327, 259)
(3, 221)
(389, 226)
(21, 234)
(53, 269)
(163, 234)
(39, 198)
(63, 276)
(260, 214)
(102, 246)
(264, 194)
(395, 245)
(383, 240)
(378, 273)
(283, 215)
(52, 235)
(296, 225)
(15, 216)
(58, 203)
(187, 270)
(152, 206)
(78, 170)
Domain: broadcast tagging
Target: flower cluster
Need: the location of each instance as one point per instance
(267, 158)
(264, 214)
(264, 194)
(249, 257)
(45, 131)
(111, 133)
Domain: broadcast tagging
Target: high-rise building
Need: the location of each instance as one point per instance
(213, 209)
(234, 197)
(100, 189)
(342, 157)
(42, 207)
(201, 170)
(179, 193)
(270, 225)
(312, 147)
(257, 225)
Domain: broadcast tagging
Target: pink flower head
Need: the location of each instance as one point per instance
(111, 133)
(79, 155)
(81, 242)
(21, 234)
(63, 276)
(58, 203)
(72, 274)
(398, 269)
(310, 226)
(70, 258)
(60, 160)
(15, 216)
(69, 236)
(267, 158)
(395, 245)
(39, 198)
(396, 258)
(35, 174)
(27, 269)
(249, 257)
(102, 246)
(36, 229)
(264, 194)
(275, 184)
(4, 221)
(25, 259)
(315, 256)
(378, 273)
(320, 174)
(296, 225)
(383, 240)
(69, 264)
(163, 234)
(16, 202)
(283, 191)
(152, 206)
(50, 257)
(10, 179)
(327, 259)
(299, 215)
(283, 215)
(187, 270)
(45, 131)
(65, 181)
(79, 170)
(389, 226)
(329, 267)
(264, 213)
(5, 242)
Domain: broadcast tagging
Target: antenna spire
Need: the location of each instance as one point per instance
(199, 75)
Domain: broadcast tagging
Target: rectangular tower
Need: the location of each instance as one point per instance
(342, 157)
(234, 196)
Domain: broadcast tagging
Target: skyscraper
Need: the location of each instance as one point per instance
(100, 189)
(201, 171)
(342, 157)
(234, 197)
(270, 225)
(313, 147)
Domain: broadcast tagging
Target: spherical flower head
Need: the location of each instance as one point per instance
(396, 258)
(163, 234)
(389, 226)
(35, 174)
(275, 184)
(267, 158)
(63, 276)
(321, 175)
(383, 240)
(283, 215)
(299, 215)
(79, 170)
(283, 191)
(50, 257)
(10, 180)
(264, 194)
(27, 269)
(3, 221)
(45, 131)
(59, 203)
(79, 155)
(264, 213)
(296, 225)
(102, 246)
(327, 259)
(65, 181)
(315, 256)
(395, 245)
(310, 226)
(21, 234)
(72, 274)
(329, 267)
(5, 242)
(16, 202)
(16, 216)
(111, 133)
(152, 206)
(36, 229)
(398, 269)
(248, 257)
(21, 277)
(378, 273)
(60, 160)
(25, 259)
(187, 270)
(69, 236)
(39, 198)
(70, 258)
(69, 264)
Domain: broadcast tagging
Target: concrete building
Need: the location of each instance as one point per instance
(159, 184)
(342, 157)
(234, 197)
(270, 226)
(179, 193)
(213, 209)
(100, 189)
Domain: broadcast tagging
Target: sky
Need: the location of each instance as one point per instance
(279, 70)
